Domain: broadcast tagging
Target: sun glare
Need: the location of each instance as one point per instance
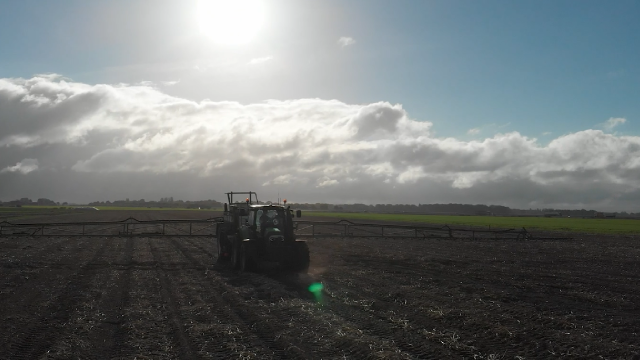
(230, 21)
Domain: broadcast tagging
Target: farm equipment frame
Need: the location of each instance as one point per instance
(132, 227)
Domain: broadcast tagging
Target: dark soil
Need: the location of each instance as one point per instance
(167, 298)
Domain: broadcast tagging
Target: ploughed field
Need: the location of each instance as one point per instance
(382, 298)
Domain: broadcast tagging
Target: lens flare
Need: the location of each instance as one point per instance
(316, 290)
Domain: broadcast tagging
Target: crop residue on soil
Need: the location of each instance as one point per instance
(364, 298)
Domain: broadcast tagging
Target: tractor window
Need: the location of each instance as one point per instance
(252, 219)
(269, 218)
(257, 220)
(275, 216)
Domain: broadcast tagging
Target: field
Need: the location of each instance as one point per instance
(167, 298)
(596, 226)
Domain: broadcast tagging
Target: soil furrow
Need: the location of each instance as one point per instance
(17, 271)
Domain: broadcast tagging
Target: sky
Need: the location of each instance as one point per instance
(527, 104)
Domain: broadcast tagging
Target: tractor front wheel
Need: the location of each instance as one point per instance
(235, 255)
(247, 260)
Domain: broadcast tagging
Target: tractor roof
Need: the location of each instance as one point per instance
(258, 206)
(262, 206)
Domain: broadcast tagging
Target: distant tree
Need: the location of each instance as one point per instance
(43, 201)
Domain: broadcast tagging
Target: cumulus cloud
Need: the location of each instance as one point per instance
(345, 41)
(613, 122)
(327, 182)
(24, 167)
(473, 131)
(170, 83)
(322, 150)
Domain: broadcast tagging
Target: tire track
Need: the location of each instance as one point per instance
(148, 326)
(502, 314)
(280, 348)
(358, 296)
(115, 312)
(454, 330)
(212, 326)
(314, 332)
(96, 317)
(37, 338)
(44, 282)
(201, 248)
(179, 335)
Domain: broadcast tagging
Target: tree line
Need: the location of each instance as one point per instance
(443, 209)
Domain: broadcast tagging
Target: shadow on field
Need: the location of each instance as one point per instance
(269, 278)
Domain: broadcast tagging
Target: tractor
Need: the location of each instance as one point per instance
(252, 233)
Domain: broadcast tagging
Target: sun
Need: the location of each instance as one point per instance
(230, 21)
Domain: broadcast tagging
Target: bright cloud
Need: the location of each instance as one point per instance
(355, 151)
(170, 83)
(25, 166)
(328, 182)
(346, 41)
(260, 60)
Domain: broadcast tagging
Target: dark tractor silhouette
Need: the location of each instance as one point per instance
(252, 233)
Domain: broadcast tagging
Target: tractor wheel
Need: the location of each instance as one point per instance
(301, 259)
(223, 248)
(235, 255)
(247, 262)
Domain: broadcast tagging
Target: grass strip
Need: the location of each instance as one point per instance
(585, 225)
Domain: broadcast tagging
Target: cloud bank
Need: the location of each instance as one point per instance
(93, 136)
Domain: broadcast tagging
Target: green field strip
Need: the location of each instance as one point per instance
(598, 226)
